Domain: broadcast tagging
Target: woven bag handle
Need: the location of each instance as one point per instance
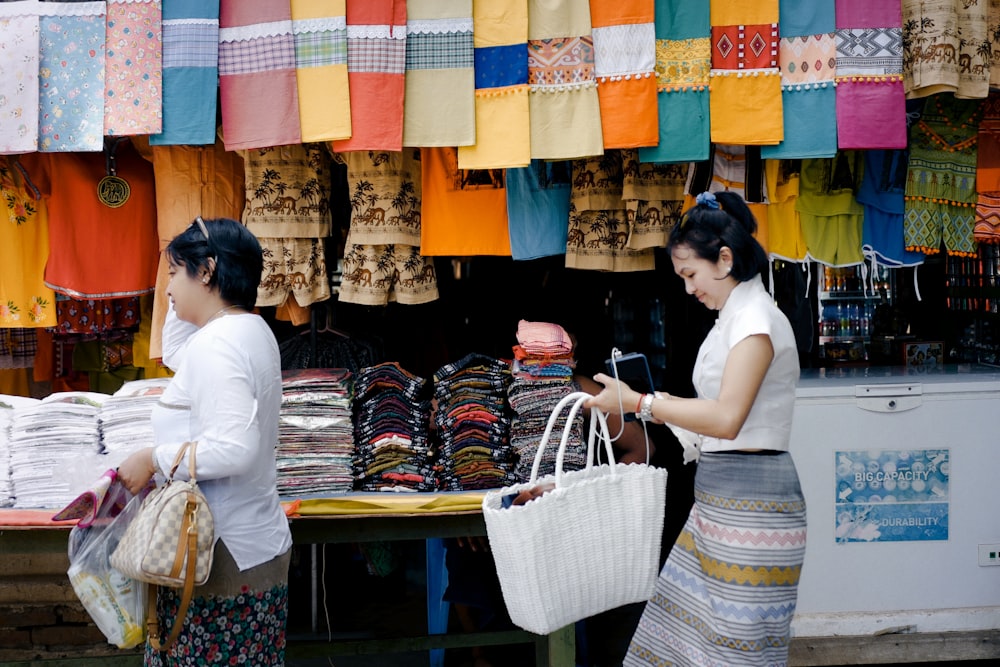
(192, 446)
(577, 398)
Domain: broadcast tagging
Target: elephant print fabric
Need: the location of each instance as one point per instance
(288, 209)
(382, 259)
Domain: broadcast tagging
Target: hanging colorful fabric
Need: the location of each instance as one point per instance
(564, 112)
(745, 98)
(683, 64)
(808, 62)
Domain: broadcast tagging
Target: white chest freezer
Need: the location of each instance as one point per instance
(901, 474)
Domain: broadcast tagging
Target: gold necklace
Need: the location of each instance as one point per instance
(220, 312)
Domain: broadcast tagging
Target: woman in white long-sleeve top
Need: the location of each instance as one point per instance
(226, 396)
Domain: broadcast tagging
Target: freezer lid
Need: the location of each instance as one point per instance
(896, 380)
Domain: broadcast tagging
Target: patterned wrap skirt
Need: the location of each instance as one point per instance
(727, 592)
(235, 618)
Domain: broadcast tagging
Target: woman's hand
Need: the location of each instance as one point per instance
(615, 398)
(136, 471)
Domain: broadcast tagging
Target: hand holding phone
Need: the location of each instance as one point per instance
(633, 370)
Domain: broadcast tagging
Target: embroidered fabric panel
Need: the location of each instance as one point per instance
(25, 301)
(808, 60)
(869, 51)
(19, 84)
(561, 62)
(744, 47)
(683, 63)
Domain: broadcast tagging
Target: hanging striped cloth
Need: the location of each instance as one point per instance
(320, 31)
(440, 60)
(190, 73)
(257, 74)
(376, 58)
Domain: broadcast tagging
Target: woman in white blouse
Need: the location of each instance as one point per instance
(727, 592)
(226, 396)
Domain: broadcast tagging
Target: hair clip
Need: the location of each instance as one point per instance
(204, 229)
(707, 199)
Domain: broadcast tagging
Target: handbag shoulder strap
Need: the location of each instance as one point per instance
(190, 446)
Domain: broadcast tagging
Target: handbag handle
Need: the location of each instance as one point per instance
(577, 398)
(191, 445)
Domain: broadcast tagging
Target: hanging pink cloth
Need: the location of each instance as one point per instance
(260, 103)
(871, 102)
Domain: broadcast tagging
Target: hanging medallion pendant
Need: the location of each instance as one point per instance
(113, 191)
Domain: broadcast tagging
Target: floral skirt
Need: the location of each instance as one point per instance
(236, 618)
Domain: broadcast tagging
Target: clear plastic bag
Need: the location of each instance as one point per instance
(116, 603)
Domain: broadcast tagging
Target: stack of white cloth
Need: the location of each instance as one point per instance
(124, 419)
(48, 439)
(7, 406)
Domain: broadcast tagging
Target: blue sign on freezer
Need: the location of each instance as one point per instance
(892, 495)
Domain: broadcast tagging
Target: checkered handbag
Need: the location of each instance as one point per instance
(170, 541)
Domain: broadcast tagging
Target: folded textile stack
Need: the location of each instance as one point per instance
(47, 442)
(315, 434)
(124, 418)
(542, 376)
(473, 423)
(392, 410)
(7, 406)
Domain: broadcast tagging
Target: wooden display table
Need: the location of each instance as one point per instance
(360, 517)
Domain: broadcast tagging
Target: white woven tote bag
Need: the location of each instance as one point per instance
(590, 544)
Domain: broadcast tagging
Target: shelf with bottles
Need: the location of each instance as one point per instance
(973, 283)
(848, 298)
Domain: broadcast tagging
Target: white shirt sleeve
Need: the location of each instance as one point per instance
(176, 333)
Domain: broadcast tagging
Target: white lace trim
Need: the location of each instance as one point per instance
(438, 26)
(255, 31)
(129, 2)
(326, 24)
(72, 9)
(211, 22)
(376, 31)
(20, 8)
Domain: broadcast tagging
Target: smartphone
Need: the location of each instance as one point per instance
(632, 369)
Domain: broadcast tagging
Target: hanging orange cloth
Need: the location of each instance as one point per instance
(624, 62)
(464, 211)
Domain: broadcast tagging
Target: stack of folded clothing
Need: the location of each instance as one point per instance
(124, 418)
(473, 423)
(52, 444)
(7, 406)
(542, 376)
(392, 410)
(315, 436)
